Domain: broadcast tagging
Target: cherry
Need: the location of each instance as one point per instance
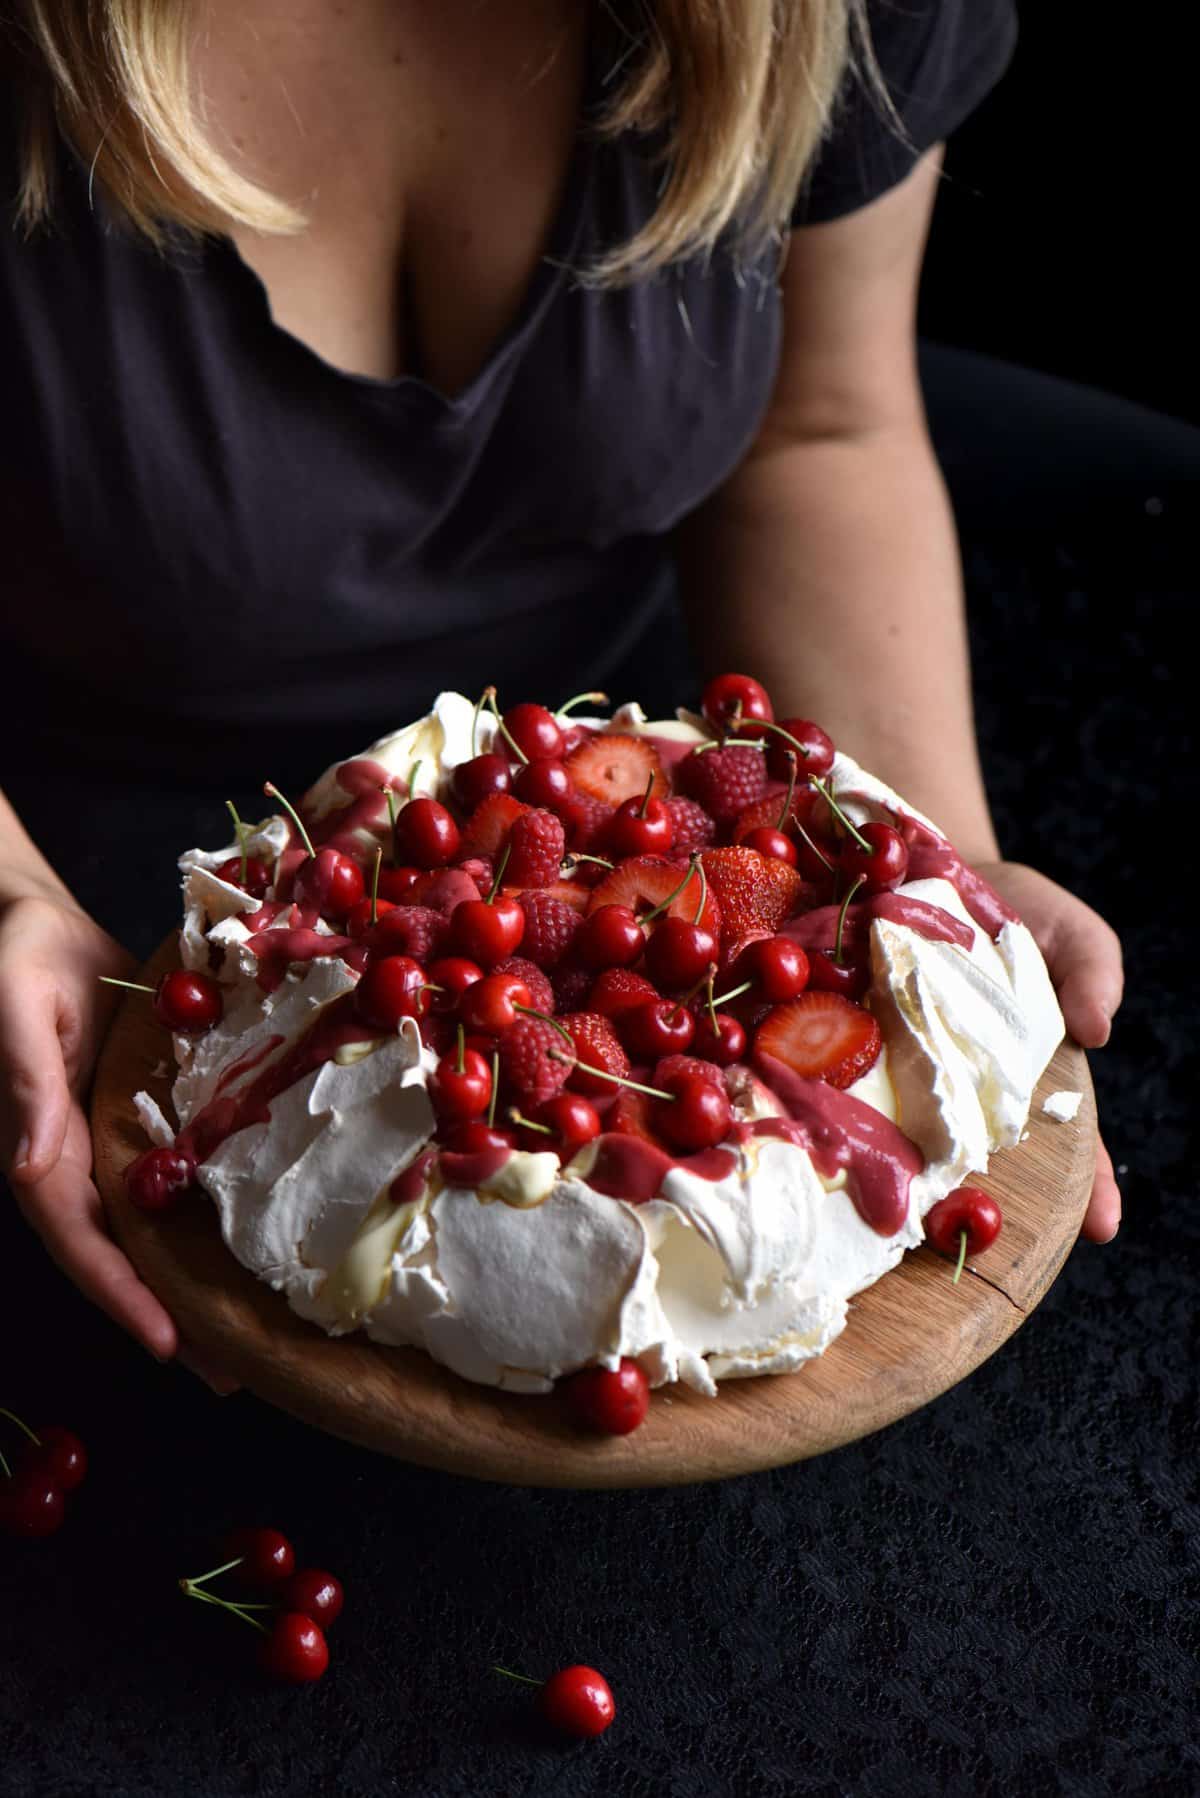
(612, 1401)
(159, 1177)
(698, 1114)
(188, 1001)
(255, 880)
(479, 779)
(396, 884)
(573, 1120)
(476, 1138)
(295, 1650)
(807, 741)
(677, 953)
(31, 1503)
(966, 1221)
(777, 966)
(487, 930)
(265, 1557)
(453, 974)
(725, 1043)
(329, 883)
(883, 865)
(828, 975)
(461, 1084)
(362, 918)
(543, 782)
(735, 704)
(609, 937)
(391, 989)
(535, 732)
(426, 834)
(316, 1594)
(769, 841)
(816, 859)
(656, 1028)
(639, 827)
(59, 1453)
(490, 1005)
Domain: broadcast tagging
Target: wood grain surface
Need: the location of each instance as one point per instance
(909, 1337)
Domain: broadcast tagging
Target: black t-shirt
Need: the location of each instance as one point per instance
(209, 535)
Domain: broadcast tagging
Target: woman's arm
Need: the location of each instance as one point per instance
(827, 566)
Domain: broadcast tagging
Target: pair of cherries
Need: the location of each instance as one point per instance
(50, 1463)
(304, 1601)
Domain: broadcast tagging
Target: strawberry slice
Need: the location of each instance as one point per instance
(753, 892)
(612, 767)
(820, 1036)
(645, 881)
(489, 824)
(765, 812)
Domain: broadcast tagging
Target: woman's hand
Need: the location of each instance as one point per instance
(53, 1010)
(1083, 955)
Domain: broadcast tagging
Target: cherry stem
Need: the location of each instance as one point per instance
(390, 796)
(491, 1110)
(546, 1019)
(499, 874)
(790, 794)
(412, 776)
(584, 1067)
(817, 851)
(685, 999)
(787, 736)
(670, 899)
(712, 1008)
(461, 1064)
(646, 797)
(21, 1425)
(375, 883)
(7, 1469)
(523, 1677)
(841, 923)
(528, 1123)
(190, 1589)
(962, 1255)
(582, 699)
(272, 792)
(826, 793)
(134, 986)
(577, 855)
(489, 693)
(475, 722)
(734, 993)
(200, 1579)
(239, 831)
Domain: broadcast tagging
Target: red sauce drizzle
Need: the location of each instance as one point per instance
(277, 949)
(818, 929)
(470, 1170)
(931, 857)
(364, 781)
(408, 1186)
(629, 1167)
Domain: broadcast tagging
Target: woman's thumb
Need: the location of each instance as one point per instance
(34, 1099)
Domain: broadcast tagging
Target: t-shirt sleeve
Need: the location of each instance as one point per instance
(938, 59)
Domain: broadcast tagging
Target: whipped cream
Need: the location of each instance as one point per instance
(537, 1273)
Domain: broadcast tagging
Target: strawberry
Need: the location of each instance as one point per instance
(724, 781)
(693, 828)
(541, 993)
(571, 983)
(536, 843)
(644, 881)
(617, 990)
(765, 811)
(595, 1043)
(820, 1036)
(489, 824)
(754, 892)
(686, 1064)
(528, 1061)
(612, 767)
(550, 927)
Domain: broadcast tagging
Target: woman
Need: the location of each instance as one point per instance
(375, 346)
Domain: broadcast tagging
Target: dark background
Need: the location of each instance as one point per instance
(999, 1595)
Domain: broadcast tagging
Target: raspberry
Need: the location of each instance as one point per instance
(686, 1064)
(617, 990)
(414, 930)
(588, 817)
(694, 829)
(536, 843)
(595, 1043)
(550, 927)
(571, 983)
(528, 1061)
(541, 993)
(724, 781)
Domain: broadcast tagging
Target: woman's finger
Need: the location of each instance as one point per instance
(65, 1210)
(1103, 1216)
(1083, 954)
(34, 1094)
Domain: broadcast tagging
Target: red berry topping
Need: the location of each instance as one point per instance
(256, 880)
(478, 779)
(573, 1121)
(541, 993)
(490, 1005)
(639, 827)
(537, 843)
(753, 892)
(396, 884)
(578, 1701)
(329, 883)
(316, 1594)
(692, 828)
(612, 1401)
(188, 1001)
(157, 1179)
(777, 966)
(267, 1557)
(678, 952)
(967, 1209)
(536, 1060)
(415, 930)
(586, 819)
(610, 937)
(453, 974)
(486, 930)
(617, 990)
(31, 1503)
(614, 768)
(571, 983)
(543, 782)
(725, 1044)
(551, 926)
(849, 977)
(735, 703)
(475, 1138)
(811, 747)
(820, 1036)
(359, 921)
(883, 865)
(426, 834)
(697, 1116)
(443, 890)
(765, 840)
(671, 1065)
(59, 1453)
(657, 1027)
(489, 824)
(392, 988)
(724, 781)
(296, 1650)
(597, 1044)
(460, 1087)
(645, 882)
(535, 731)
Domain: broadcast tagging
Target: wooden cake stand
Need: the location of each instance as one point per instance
(908, 1338)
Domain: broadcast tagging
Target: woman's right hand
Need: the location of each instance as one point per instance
(53, 1011)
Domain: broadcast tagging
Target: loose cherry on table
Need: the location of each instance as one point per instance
(390, 989)
(51, 1462)
(611, 1401)
(186, 1000)
(736, 705)
(426, 834)
(314, 1593)
(609, 937)
(577, 1701)
(293, 1647)
(261, 1557)
(966, 1221)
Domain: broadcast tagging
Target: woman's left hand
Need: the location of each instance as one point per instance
(1083, 955)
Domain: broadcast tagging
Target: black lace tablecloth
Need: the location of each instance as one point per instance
(997, 1595)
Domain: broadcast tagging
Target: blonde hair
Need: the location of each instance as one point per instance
(740, 94)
